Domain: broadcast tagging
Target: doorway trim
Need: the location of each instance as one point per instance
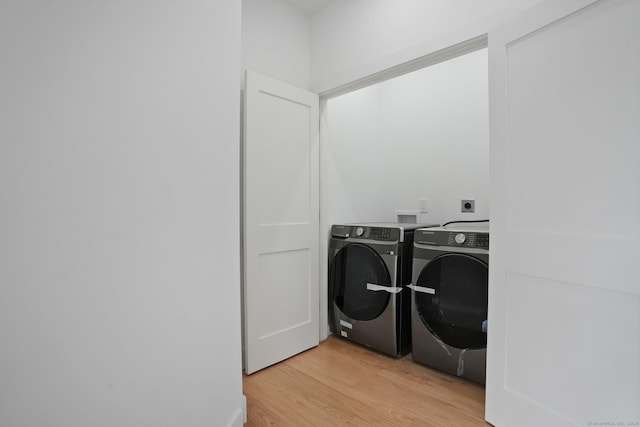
(435, 57)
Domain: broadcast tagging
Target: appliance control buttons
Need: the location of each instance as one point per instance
(460, 238)
(483, 241)
(359, 231)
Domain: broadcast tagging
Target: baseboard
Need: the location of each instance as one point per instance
(241, 415)
(244, 408)
(238, 420)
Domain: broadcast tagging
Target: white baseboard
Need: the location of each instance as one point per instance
(241, 415)
(238, 419)
(244, 408)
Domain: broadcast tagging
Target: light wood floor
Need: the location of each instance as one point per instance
(340, 383)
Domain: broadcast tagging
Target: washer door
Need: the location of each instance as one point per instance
(353, 267)
(457, 311)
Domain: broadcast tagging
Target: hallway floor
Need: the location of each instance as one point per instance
(340, 383)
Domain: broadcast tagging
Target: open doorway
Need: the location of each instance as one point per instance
(416, 142)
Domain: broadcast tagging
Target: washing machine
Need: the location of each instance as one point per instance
(449, 296)
(369, 270)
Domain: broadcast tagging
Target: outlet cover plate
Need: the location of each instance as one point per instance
(467, 205)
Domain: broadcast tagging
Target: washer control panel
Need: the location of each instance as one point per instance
(469, 239)
(366, 232)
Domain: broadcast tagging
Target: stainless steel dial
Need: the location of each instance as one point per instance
(460, 238)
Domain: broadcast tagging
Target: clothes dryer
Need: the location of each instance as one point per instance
(449, 294)
(369, 269)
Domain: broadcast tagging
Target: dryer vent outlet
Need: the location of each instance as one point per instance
(467, 205)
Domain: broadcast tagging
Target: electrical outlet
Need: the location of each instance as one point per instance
(424, 204)
(468, 205)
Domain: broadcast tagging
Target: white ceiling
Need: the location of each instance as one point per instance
(308, 6)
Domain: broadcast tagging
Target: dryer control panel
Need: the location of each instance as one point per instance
(455, 238)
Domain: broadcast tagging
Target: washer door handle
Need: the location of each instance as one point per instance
(422, 289)
(390, 289)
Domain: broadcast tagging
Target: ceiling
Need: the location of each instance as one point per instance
(308, 6)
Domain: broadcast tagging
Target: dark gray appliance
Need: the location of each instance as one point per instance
(449, 294)
(369, 269)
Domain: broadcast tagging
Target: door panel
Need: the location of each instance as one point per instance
(584, 347)
(564, 302)
(281, 274)
(283, 189)
(280, 230)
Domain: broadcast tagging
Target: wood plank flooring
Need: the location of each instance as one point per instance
(340, 383)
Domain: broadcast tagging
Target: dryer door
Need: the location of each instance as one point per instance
(354, 267)
(456, 311)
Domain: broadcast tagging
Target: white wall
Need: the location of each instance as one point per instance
(424, 134)
(276, 41)
(356, 38)
(119, 247)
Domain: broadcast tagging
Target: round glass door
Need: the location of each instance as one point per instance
(457, 312)
(353, 267)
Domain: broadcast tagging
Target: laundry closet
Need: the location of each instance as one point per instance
(410, 148)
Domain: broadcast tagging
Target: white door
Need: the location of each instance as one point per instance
(564, 304)
(281, 215)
